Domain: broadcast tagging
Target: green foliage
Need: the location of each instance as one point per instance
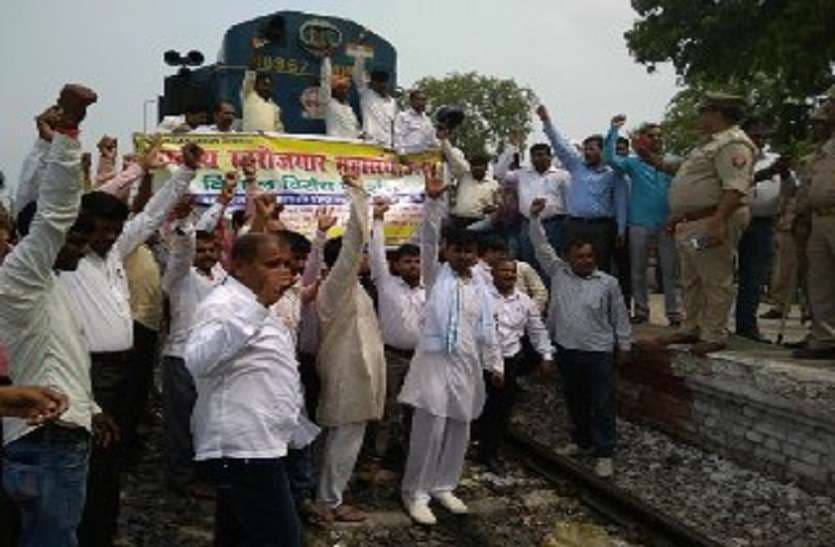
(495, 108)
(778, 53)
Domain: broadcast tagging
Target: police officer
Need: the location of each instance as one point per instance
(817, 203)
(708, 213)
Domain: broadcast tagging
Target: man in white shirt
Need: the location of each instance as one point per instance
(249, 397)
(46, 464)
(476, 194)
(539, 180)
(491, 251)
(413, 128)
(192, 273)
(101, 299)
(260, 113)
(340, 118)
(755, 246)
(400, 300)
(378, 107)
(516, 316)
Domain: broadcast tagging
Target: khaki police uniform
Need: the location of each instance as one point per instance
(820, 249)
(725, 162)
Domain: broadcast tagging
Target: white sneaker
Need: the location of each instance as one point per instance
(604, 468)
(421, 513)
(452, 503)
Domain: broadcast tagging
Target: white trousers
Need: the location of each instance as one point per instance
(437, 447)
(342, 446)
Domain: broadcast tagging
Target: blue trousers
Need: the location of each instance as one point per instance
(45, 473)
(254, 505)
(754, 259)
(588, 383)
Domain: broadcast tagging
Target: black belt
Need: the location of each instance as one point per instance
(110, 357)
(592, 220)
(405, 353)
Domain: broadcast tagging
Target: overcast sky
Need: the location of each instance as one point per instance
(570, 52)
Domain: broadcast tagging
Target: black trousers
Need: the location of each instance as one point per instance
(137, 387)
(600, 231)
(101, 510)
(495, 418)
(254, 505)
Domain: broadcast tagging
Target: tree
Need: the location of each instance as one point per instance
(495, 108)
(778, 53)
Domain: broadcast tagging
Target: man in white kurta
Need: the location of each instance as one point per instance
(445, 380)
(378, 108)
(350, 362)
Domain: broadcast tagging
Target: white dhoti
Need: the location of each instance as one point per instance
(342, 446)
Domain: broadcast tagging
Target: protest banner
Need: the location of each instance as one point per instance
(304, 171)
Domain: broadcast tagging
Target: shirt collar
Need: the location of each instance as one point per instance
(240, 289)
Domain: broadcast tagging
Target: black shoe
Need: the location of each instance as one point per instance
(675, 324)
(493, 465)
(822, 354)
(638, 320)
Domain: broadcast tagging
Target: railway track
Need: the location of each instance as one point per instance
(656, 528)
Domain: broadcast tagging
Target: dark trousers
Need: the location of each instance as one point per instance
(254, 505)
(754, 261)
(601, 232)
(310, 382)
(178, 398)
(624, 269)
(140, 376)
(101, 512)
(588, 383)
(493, 422)
(554, 232)
(299, 467)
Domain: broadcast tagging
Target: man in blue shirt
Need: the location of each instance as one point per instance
(596, 196)
(648, 212)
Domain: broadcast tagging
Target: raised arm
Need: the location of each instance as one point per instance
(502, 169)
(140, 227)
(26, 271)
(119, 185)
(221, 332)
(377, 246)
(563, 149)
(210, 218)
(325, 75)
(34, 164)
(342, 277)
(623, 164)
(358, 75)
(547, 257)
(458, 164)
(430, 238)
(183, 248)
(313, 264)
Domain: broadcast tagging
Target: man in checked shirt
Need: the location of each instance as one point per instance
(588, 322)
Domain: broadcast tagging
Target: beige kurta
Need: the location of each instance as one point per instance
(350, 362)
